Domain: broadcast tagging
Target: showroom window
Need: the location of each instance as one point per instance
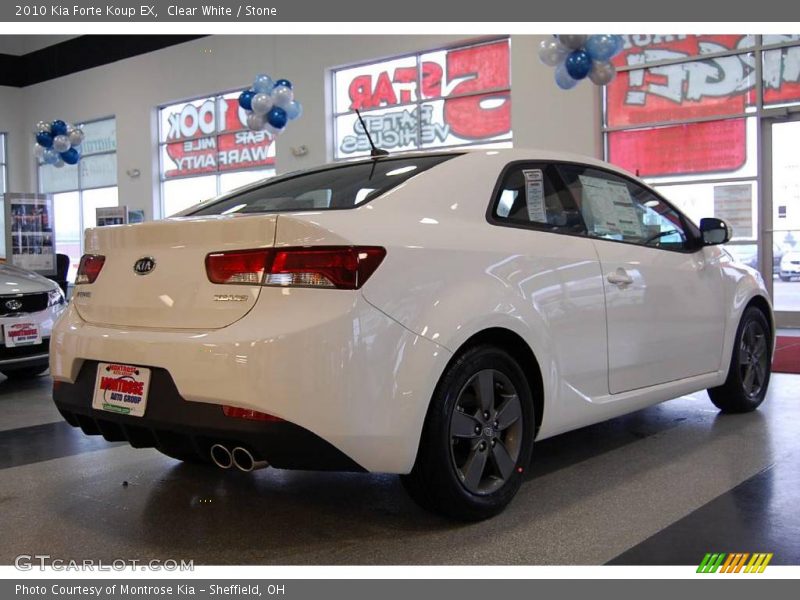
(686, 113)
(446, 98)
(205, 149)
(78, 190)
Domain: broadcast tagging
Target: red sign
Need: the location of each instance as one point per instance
(701, 88)
(211, 136)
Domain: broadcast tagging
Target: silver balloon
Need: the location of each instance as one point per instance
(38, 151)
(261, 103)
(59, 163)
(50, 156)
(552, 52)
(75, 135)
(61, 143)
(573, 41)
(282, 96)
(42, 127)
(272, 130)
(602, 73)
(256, 122)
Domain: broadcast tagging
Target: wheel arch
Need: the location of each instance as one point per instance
(519, 349)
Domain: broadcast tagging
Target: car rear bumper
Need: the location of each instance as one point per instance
(178, 427)
(324, 360)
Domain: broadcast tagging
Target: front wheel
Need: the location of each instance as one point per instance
(748, 376)
(477, 438)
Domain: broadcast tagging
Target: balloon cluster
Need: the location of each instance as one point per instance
(576, 57)
(57, 143)
(270, 104)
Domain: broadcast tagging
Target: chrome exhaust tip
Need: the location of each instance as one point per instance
(245, 461)
(221, 456)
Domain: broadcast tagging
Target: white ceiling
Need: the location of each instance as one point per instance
(18, 45)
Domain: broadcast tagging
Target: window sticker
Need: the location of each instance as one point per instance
(610, 208)
(534, 195)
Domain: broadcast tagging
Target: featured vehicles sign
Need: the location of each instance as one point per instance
(459, 96)
(720, 86)
(211, 135)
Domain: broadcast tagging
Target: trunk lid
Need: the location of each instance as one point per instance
(176, 292)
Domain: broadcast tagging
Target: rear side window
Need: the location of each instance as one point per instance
(532, 195)
(337, 187)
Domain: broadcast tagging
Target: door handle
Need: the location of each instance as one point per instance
(619, 277)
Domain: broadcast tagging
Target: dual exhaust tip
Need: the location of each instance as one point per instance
(239, 457)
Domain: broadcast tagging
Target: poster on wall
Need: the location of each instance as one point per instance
(703, 88)
(734, 205)
(450, 97)
(30, 235)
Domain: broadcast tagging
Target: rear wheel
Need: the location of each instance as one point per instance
(748, 376)
(25, 372)
(477, 437)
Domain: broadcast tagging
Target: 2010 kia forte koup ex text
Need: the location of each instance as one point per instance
(428, 315)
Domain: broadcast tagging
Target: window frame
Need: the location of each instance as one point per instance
(4, 162)
(416, 104)
(692, 232)
(217, 174)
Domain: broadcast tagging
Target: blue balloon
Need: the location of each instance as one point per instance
(50, 156)
(263, 84)
(246, 99)
(277, 117)
(71, 156)
(563, 79)
(294, 110)
(58, 127)
(285, 82)
(619, 43)
(601, 47)
(44, 139)
(578, 64)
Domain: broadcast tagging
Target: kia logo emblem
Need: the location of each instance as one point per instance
(144, 265)
(13, 304)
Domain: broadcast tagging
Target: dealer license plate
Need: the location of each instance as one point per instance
(121, 389)
(22, 333)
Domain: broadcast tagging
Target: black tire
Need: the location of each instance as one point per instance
(751, 363)
(784, 278)
(437, 482)
(25, 372)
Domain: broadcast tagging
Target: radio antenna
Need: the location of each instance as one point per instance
(376, 152)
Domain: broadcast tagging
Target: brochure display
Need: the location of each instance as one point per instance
(30, 235)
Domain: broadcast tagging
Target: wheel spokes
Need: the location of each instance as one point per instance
(485, 390)
(464, 425)
(474, 467)
(509, 412)
(502, 459)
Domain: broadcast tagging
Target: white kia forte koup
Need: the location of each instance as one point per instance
(428, 315)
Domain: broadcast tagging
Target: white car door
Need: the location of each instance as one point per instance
(664, 297)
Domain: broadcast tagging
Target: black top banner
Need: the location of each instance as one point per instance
(472, 11)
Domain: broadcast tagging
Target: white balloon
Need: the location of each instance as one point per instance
(61, 143)
(261, 103)
(75, 136)
(42, 126)
(256, 122)
(573, 41)
(59, 163)
(282, 96)
(552, 52)
(38, 151)
(602, 73)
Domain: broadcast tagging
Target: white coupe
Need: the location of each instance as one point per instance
(428, 315)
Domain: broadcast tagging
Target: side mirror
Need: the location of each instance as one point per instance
(715, 231)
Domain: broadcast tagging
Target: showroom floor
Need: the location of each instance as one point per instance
(661, 486)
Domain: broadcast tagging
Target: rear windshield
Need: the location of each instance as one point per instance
(342, 186)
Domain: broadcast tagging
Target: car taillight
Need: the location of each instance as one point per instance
(89, 268)
(251, 415)
(338, 267)
(240, 266)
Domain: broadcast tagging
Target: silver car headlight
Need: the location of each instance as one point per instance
(55, 297)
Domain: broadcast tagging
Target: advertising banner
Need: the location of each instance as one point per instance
(30, 235)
